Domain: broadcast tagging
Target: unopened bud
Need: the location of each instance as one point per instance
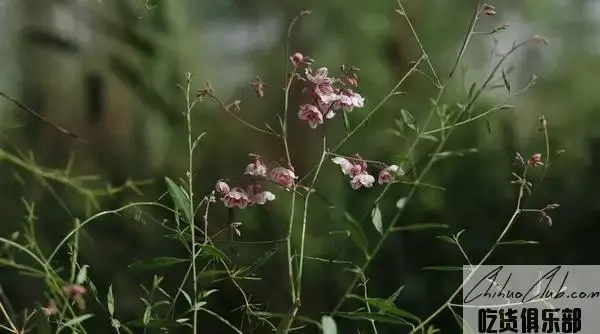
(297, 59)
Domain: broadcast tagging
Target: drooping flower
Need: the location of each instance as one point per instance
(351, 168)
(222, 187)
(535, 160)
(387, 174)
(75, 292)
(257, 195)
(297, 59)
(283, 176)
(236, 197)
(311, 114)
(323, 85)
(348, 100)
(362, 179)
(345, 164)
(256, 167)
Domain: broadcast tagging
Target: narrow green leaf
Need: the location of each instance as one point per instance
(387, 307)
(519, 242)
(377, 219)
(408, 119)
(147, 315)
(110, 301)
(158, 262)
(75, 321)
(187, 297)
(329, 325)
(180, 198)
(213, 251)
(416, 227)
(346, 122)
(506, 83)
(472, 89)
(379, 317)
(198, 306)
(356, 233)
(429, 137)
(488, 124)
(82, 275)
(446, 239)
(457, 153)
(211, 273)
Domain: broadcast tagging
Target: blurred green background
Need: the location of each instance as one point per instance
(109, 69)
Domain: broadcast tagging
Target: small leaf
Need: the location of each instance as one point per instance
(446, 239)
(488, 124)
(401, 203)
(472, 89)
(429, 137)
(328, 324)
(186, 296)
(214, 252)
(158, 262)
(388, 307)
(110, 301)
(75, 321)
(444, 268)
(457, 153)
(346, 123)
(211, 273)
(356, 233)
(379, 317)
(408, 119)
(198, 306)
(197, 140)
(82, 275)
(506, 83)
(399, 11)
(147, 315)
(416, 227)
(179, 198)
(518, 242)
(376, 219)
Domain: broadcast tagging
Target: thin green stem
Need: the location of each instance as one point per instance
(188, 117)
(298, 300)
(418, 40)
(510, 223)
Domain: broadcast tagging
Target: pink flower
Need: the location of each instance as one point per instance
(256, 167)
(222, 187)
(362, 179)
(74, 290)
(348, 100)
(351, 168)
(311, 114)
(283, 176)
(387, 174)
(236, 197)
(535, 160)
(323, 88)
(297, 59)
(345, 164)
(257, 196)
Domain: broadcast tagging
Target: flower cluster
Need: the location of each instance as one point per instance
(356, 170)
(242, 197)
(328, 95)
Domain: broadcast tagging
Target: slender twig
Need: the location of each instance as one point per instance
(418, 40)
(188, 118)
(42, 118)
